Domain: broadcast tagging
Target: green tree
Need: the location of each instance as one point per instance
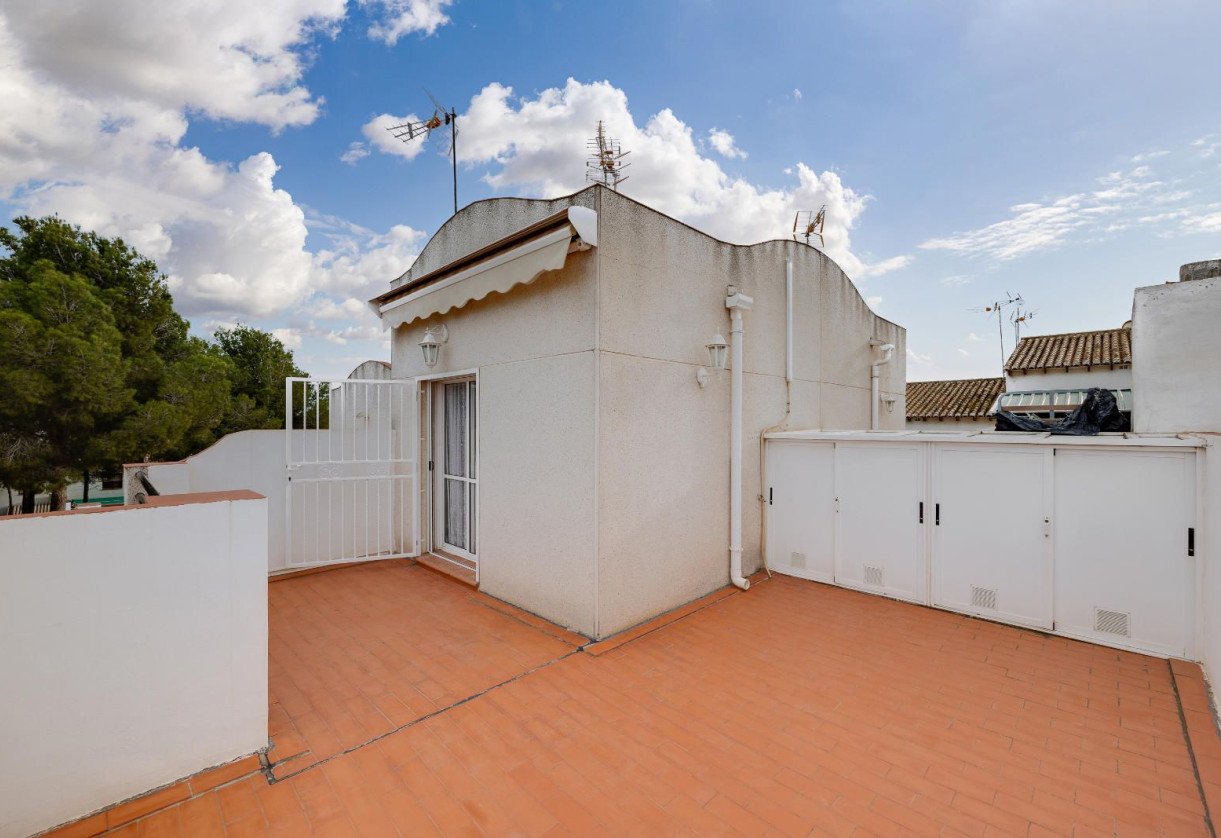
(260, 363)
(63, 378)
(177, 388)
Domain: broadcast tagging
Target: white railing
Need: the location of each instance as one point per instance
(351, 482)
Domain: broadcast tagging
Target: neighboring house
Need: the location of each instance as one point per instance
(958, 405)
(577, 430)
(1048, 375)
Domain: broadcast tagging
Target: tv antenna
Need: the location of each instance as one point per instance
(998, 308)
(408, 131)
(605, 164)
(810, 224)
(1018, 317)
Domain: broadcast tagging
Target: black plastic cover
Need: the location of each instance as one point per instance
(1098, 412)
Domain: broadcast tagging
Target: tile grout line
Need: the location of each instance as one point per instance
(1191, 752)
(272, 779)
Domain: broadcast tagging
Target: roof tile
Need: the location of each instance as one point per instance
(967, 398)
(1074, 349)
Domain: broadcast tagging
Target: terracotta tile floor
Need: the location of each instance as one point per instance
(793, 709)
(359, 652)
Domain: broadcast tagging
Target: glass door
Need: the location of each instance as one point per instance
(459, 469)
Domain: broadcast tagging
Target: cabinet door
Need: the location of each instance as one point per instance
(1123, 574)
(801, 508)
(879, 538)
(991, 539)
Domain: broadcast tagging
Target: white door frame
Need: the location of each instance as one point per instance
(429, 475)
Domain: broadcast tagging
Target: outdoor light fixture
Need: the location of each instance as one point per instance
(718, 352)
(434, 338)
(889, 401)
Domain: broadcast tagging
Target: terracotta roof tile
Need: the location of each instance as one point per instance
(967, 398)
(1074, 349)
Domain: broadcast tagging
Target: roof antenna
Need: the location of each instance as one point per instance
(605, 164)
(997, 308)
(811, 224)
(408, 131)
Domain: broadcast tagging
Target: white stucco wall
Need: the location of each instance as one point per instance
(663, 442)
(251, 460)
(1175, 346)
(603, 466)
(1076, 378)
(1176, 375)
(534, 352)
(134, 653)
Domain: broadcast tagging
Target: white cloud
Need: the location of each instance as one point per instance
(1207, 223)
(973, 337)
(536, 146)
(356, 152)
(227, 59)
(380, 134)
(97, 103)
(873, 302)
(894, 263)
(1039, 226)
(328, 308)
(797, 93)
(402, 17)
(1207, 145)
(724, 144)
(291, 338)
(955, 281)
(917, 358)
(1149, 155)
(964, 353)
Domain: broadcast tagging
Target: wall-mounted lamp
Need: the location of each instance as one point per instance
(889, 401)
(718, 354)
(434, 338)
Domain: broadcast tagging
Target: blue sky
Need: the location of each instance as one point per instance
(1069, 152)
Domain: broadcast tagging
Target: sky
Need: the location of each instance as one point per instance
(965, 151)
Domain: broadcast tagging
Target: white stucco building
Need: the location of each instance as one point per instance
(577, 452)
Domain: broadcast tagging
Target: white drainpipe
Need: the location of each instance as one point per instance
(736, 303)
(887, 350)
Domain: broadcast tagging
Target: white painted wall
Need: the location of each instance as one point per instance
(1177, 387)
(1175, 350)
(1076, 378)
(604, 467)
(251, 460)
(134, 652)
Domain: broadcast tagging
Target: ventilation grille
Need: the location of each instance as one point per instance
(873, 575)
(1112, 622)
(983, 597)
(797, 560)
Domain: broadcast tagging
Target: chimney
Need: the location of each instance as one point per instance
(1200, 270)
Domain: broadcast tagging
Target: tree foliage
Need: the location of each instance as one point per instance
(97, 369)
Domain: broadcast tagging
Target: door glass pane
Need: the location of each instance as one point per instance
(455, 513)
(455, 429)
(471, 443)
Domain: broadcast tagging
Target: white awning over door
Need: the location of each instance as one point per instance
(516, 260)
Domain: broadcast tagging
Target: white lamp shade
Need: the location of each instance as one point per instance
(718, 352)
(431, 350)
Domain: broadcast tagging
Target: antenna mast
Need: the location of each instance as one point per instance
(997, 308)
(605, 164)
(408, 131)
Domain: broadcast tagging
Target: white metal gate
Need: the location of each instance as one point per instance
(350, 455)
